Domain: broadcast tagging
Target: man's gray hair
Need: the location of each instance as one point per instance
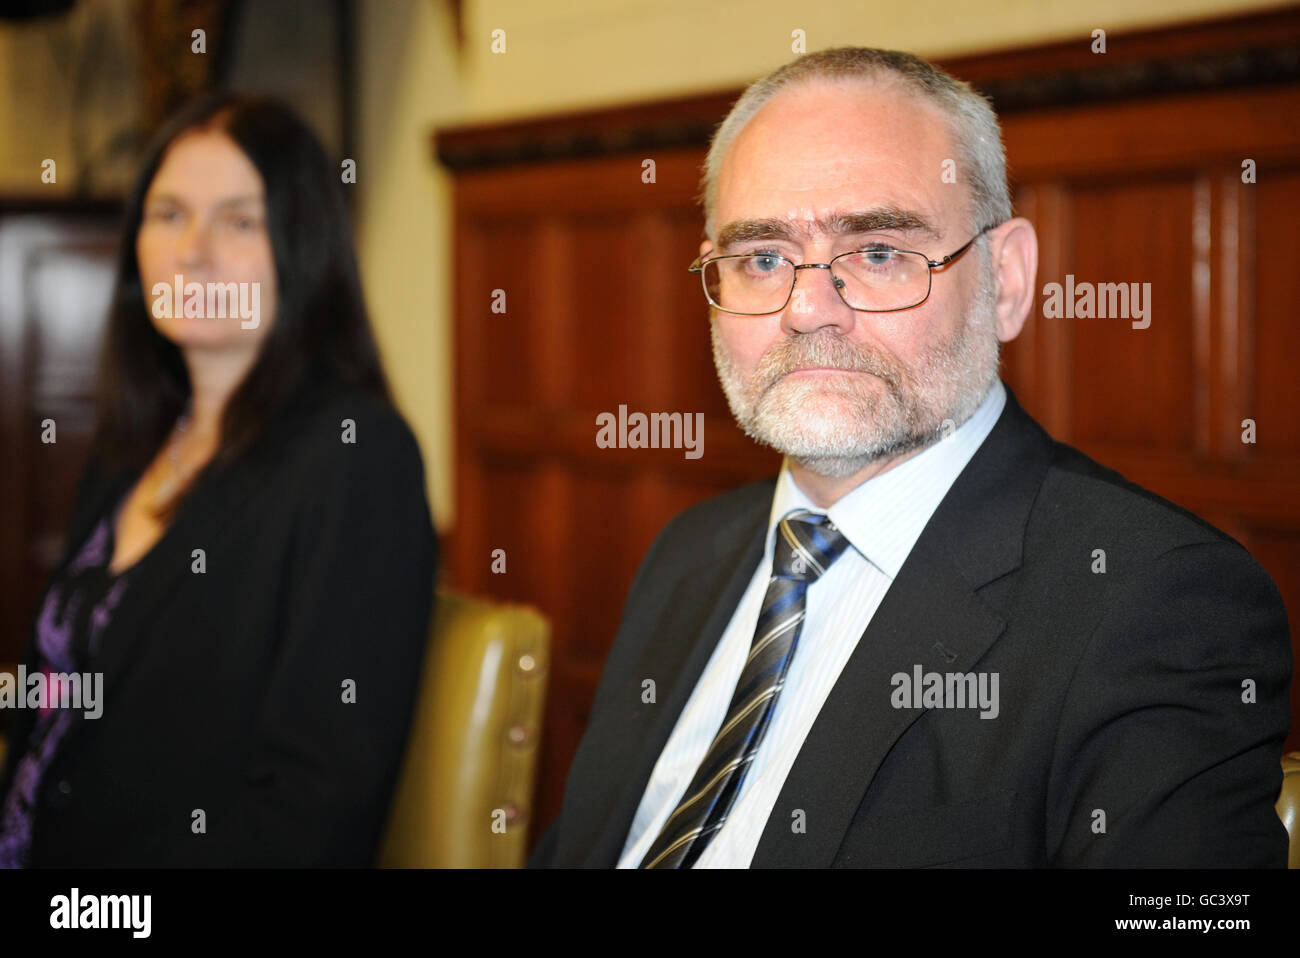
(976, 136)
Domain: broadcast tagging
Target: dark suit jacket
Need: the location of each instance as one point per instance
(1121, 694)
(223, 691)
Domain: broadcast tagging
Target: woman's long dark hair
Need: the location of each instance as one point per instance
(321, 332)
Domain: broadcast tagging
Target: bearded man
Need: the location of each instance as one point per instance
(938, 637)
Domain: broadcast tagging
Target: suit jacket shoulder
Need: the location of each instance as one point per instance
(1124, 527)
(1074, 475)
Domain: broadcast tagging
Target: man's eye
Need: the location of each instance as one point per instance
(763, 262)
(163, 215)
(878, 258)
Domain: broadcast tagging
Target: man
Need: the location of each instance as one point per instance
(939, 638)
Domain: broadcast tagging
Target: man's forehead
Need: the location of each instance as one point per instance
(838, 121)
(836, 158)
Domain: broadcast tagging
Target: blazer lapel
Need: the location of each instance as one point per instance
(201, 522)
(702, 603)
(932, 616)
(104, 492)
(100, 489)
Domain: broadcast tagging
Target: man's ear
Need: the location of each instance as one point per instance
(1013, 250)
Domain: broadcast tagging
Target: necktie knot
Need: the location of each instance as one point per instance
(806, 545)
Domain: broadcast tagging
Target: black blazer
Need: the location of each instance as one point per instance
(223, 691)
(1120, 693)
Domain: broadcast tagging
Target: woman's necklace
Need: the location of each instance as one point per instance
(176, 476)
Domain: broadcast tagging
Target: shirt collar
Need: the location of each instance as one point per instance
(884, 516)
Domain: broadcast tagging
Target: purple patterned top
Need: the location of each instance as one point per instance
(75, 611)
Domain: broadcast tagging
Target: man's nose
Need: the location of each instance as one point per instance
(816, 302)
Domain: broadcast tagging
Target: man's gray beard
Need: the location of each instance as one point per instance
(892, 414)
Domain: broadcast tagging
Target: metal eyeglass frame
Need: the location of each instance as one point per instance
(699, 263)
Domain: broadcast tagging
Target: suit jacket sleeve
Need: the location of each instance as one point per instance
(334, 721)
(544, 851)
(1172, 731)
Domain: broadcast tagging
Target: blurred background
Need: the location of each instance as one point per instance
(524, 203)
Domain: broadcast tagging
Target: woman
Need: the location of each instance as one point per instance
(250, 560)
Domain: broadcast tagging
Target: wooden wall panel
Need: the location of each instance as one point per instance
(600, 313)
(56, 271)
(1133, 233)
(514, 248)
(1272, 394)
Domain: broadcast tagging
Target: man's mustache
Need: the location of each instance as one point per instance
(808, 352)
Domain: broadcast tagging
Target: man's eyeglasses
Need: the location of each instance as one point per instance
(877, 279)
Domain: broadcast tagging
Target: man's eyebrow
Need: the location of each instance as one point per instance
(838, 224)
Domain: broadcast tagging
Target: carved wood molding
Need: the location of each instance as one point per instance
(1219, 54)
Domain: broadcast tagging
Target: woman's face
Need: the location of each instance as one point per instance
(204, 220)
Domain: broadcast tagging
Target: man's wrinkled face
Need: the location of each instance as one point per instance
(820, 170)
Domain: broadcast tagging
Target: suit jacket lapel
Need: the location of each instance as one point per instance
(703, 601)
(201, 522)
(100, 489)
(105, 489)
(931, 616)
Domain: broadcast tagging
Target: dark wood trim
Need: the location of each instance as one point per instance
(1179, 42)
(1216, 54)
(14, 204)
(681, 122)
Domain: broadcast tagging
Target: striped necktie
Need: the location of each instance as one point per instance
(806, 545)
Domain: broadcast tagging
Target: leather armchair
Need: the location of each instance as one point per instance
(464, 798)
(1288, 804)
